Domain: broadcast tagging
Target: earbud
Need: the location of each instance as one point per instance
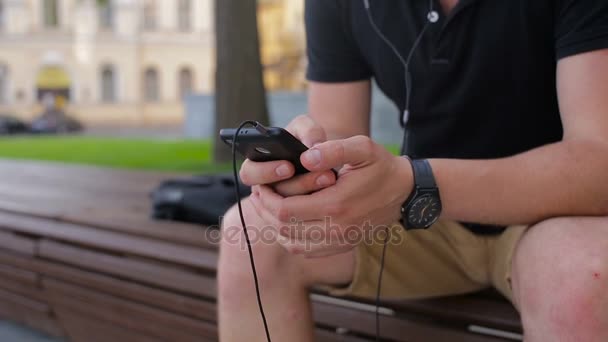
(432, 17)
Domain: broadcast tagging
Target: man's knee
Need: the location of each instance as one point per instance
(560, 272)
(234, 269)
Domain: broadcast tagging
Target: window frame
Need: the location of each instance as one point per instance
(151, 86)
(108, 95)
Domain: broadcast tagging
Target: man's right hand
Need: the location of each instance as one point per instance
(280, 174)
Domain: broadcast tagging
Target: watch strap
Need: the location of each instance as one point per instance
(423, 174)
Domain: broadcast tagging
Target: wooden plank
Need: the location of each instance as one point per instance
(32, 318)
(392, 327)
(472, 309)
(9, 297)
(122, 221)
(128, 314)
(142, 225)
(111, 241)
(171, 278)
(20, 288)
(181, 304)
(17, 274)
(323, 335)
(17, 243)
(82, 328)
(24, 262)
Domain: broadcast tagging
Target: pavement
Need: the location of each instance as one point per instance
(11, 332)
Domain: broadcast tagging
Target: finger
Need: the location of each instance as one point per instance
(254, 173)
(355, 151)
(305, 184)
(301, 208)
(306, 130)
(267, 218)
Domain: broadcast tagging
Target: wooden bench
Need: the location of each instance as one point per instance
(80, 258)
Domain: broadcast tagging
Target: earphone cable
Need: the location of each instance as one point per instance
(404, 62)
(403, 120)
(379, 288)
(238, 197)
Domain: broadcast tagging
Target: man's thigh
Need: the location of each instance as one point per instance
(446, 259)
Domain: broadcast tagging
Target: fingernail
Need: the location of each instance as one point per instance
(323, 181)
(313, 156)
(282, 171)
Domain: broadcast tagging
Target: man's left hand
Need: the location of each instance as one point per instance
(371, 188)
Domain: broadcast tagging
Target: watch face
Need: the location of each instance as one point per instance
(424, 211)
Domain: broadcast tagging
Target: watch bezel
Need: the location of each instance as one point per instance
(417, 195)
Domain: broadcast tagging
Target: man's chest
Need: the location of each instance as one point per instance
(479, 43)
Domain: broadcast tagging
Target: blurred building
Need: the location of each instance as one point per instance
(129, 62)
(281, 24)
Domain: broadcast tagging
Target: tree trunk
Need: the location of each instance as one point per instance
(239, 85)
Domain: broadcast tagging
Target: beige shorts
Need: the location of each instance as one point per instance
(446, 259)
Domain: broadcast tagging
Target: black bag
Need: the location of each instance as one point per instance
(200, 199)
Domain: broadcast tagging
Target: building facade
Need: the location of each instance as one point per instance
(129, 62)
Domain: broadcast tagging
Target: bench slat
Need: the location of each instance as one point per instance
(181, 304)
(17, 243)
(394, 328)
(112, 241)
(170, 278)
(128, 314)
(81, 328)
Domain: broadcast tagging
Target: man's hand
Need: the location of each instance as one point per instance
(280, 173)
(371, 188)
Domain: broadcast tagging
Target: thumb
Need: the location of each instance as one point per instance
(335, 153)
(306, 130)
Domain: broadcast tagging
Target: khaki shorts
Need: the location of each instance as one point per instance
(446, 259)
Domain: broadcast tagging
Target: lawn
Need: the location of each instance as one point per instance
(193, 156)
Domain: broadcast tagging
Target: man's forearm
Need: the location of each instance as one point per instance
(563, 179)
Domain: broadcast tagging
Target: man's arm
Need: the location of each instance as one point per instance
(569, 178)
(342, 109)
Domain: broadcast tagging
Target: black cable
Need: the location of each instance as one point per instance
(379, 288)
(238, 197)
(403, 120)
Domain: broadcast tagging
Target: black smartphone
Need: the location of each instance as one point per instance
(270, 144)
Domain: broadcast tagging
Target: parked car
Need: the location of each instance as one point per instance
(11, 125)
(55, 122)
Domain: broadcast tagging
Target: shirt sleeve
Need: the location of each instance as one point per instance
(581, 26)
(333, 55)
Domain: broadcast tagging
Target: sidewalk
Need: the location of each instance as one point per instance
(11, 332)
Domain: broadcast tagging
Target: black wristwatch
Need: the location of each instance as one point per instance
(423, 208)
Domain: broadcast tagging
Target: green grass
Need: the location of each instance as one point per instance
(193, 156)
(145, 154)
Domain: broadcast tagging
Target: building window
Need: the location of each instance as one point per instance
(186, 82)
(151, 85)
(149, 15)
(184, 15)
(108, 84)
(51, 13)
(106, 15)
(3, 84)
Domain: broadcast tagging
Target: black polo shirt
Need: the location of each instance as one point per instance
(483, 77)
